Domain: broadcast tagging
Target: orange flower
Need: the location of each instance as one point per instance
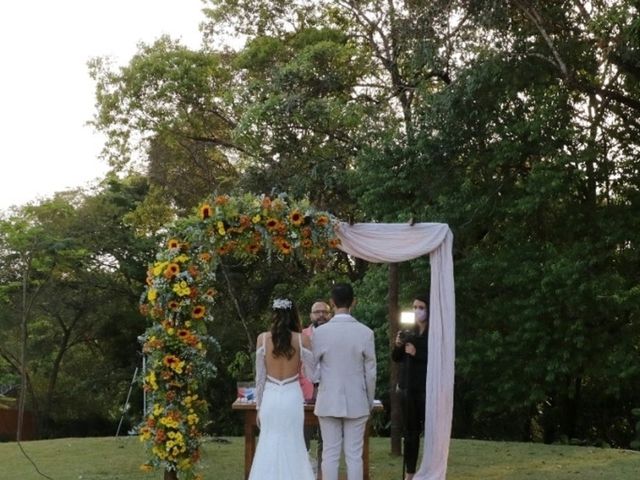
(224, 249)
(144, 309)
(193, 271)
(306, 232)
(205, 256)
(205, 211)
(222, 199)
(211, 293)
(334, 242)
(296, 217)
(253, 248)
(322, 220)
(173, 243)
(266, 203)
(171, 271)
(245, 222)
(198, 311)
(307, 243)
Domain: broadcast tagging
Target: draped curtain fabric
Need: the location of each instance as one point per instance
(391, 243)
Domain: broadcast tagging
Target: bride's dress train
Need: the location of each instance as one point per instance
(281, 452)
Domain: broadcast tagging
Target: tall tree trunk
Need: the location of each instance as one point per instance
(394, 397)
(23, 351)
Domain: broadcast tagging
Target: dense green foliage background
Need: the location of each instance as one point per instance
(515, 122)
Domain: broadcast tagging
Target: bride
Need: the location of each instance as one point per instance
(281, 452)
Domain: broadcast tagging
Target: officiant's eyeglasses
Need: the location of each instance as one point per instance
(318, 312)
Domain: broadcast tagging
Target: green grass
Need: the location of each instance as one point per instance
(120, 458)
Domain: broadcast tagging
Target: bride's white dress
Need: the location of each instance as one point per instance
(281, 453)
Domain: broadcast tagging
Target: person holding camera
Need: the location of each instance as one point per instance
(411, 351)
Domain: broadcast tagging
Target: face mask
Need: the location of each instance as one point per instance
(420, 315)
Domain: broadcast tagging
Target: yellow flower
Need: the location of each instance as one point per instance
(256, 218)
(145, 467)
(159, 267)
(181, 258)
(198, 311)
(181, 288)
(192, 419)
(151, 380)
(152, 294)
(173, 243)
(221, 229)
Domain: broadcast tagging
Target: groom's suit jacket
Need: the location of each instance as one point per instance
(345, 352)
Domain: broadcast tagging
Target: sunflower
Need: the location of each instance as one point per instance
(307, 243)
(296, 218)
(171, 271)
(173, 305)
(173, 243)
(285, 247)
(205, 211)
(198, 311)
(272, 224)
(205, 256)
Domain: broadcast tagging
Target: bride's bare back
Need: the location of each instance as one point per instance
(281, 367)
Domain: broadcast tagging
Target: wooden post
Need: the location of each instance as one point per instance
(170, 475)
(394, 368)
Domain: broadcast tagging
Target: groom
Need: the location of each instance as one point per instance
(345, 351)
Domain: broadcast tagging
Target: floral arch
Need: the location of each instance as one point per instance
(180, 292)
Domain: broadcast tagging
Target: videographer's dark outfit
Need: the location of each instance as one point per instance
(413, 376)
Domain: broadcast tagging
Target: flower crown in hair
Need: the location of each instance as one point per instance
(282, 303)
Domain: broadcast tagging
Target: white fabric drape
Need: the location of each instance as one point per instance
(386, 243)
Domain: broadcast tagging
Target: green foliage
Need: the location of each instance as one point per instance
(513, 122)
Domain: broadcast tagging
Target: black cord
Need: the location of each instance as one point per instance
(31, 461)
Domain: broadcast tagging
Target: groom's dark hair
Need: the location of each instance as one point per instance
(342, 295)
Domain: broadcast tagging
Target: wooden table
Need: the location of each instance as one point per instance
(250, 428)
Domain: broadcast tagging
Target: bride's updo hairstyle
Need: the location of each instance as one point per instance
(285, 320)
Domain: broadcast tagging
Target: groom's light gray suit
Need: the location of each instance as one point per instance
(345, 351)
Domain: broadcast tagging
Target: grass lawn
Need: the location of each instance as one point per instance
(120, 458)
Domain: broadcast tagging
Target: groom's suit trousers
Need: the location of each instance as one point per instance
(337, 432)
